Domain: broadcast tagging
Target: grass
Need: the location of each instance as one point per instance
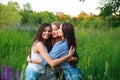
(14, 47)
(99, 54)
(98, 51)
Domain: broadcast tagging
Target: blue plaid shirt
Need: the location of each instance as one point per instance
(60, 49)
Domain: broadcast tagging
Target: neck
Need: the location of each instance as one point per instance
(44, 41)
(63, 38)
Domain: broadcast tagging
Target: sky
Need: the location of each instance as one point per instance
(69, 7)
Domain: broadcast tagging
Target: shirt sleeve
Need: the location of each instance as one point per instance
(60, 49)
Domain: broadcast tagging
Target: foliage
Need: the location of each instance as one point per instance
(7, 73)
(9, 14)
(109, 7)
(27, 17)
(99, 53)
(15, 45)
(30, 18)
(47, 17)
(27, 7)
(98, 38)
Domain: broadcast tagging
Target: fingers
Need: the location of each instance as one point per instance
(28, 58)
(72, 48)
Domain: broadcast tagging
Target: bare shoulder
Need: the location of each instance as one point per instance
(40, 44)
(40, 47)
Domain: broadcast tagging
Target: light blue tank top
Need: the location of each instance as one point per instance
(36, 67)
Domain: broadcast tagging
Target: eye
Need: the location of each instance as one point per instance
(44, 30)
(49, 31)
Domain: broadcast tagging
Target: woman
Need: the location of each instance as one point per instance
(54, 73)
(60, 49)
(57, 71)
(71, 72)
(39, 54)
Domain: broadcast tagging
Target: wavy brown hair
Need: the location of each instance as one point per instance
(54, 40)
(38, 36)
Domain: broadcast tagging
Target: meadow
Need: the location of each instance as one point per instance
(98, 51)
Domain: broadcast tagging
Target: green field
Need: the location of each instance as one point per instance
(98, 51)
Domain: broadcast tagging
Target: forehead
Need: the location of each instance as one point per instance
(54, 26)
(48, 27)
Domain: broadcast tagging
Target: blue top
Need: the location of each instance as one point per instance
(60, 49)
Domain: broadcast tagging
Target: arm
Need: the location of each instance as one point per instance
(74, 59)
(60, 49)
(36, 61)
(42, 50)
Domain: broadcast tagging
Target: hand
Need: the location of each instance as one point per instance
(71, 50)
(29, 59)
(73, 59)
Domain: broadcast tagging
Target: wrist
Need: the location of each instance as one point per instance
(69, 55)
(31, 60)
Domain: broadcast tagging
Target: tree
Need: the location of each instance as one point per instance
(9, 14)
(83, 15)
(27, 7)
(109, 7)
(47, 16)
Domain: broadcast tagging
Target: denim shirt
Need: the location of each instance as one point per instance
(60, 49)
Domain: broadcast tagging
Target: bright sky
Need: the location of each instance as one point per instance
(69, 7)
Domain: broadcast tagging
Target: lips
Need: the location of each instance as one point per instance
(53, 34)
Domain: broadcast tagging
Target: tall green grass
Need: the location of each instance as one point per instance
(98, 51)
(99, 54)
(14, 47)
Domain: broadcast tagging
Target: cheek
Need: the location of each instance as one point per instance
(56, 32)
(49, 33)
(60, 33)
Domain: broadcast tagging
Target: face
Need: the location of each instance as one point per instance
(60, 32)
(54, 31)
(46, 33)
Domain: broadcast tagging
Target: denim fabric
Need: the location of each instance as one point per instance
(31, 74)
(60, 49)
(52, 74)
(72, 74)
(41, 77)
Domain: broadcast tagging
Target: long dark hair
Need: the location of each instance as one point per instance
(38, 36)
(69, 34)
(68, 31)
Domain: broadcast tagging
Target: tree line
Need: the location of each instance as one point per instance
(12, 15)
